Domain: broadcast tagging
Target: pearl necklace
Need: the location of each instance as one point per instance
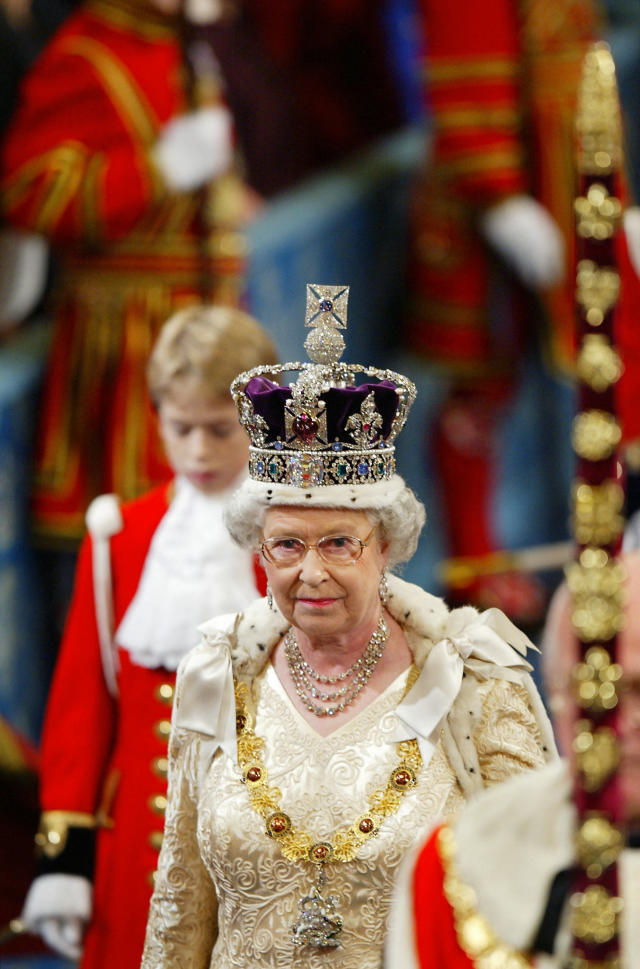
(303, 675)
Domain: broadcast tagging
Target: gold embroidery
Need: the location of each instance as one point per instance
(476, 937)
(60, 171)
(480, 68)
(493, 161)
(463, 116)
(231, 859)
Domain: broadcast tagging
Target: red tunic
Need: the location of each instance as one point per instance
(439, 941)
(108, 757)
(502, 80)
(78, 167)
(436, 940)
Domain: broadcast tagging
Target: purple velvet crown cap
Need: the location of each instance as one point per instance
(268, 400)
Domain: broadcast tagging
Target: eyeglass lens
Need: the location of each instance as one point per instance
(333, 548)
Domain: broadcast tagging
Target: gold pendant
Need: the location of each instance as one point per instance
(318, 924)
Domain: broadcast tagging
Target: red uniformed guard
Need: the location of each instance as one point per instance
(107, 158)
(502, 81)
(152, 570)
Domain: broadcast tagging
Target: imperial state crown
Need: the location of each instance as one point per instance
(323, 428)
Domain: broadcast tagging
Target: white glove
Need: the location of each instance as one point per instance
(194, 148)
(202, 11)
(631, 221)
(23, 274)
(58, 908)
(528, 239)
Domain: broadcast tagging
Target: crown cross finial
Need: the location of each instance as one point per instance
(326, 315)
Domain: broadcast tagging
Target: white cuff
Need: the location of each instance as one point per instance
(195, 148)
(526, 236)
(57, 907)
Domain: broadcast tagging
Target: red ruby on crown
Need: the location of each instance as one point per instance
(305, 428)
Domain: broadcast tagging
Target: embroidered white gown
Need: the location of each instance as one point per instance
(225, 896)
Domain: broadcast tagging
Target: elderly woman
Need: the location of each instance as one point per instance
(319, 733)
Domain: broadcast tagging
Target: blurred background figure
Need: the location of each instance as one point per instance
(25, 26)
(339, 63)
(492, 249)
(150, 571)
(537, 869)
(142, 176)
(514, 847)
(116, 248)
(108, 155)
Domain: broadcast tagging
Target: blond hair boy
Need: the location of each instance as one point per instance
(149, 572)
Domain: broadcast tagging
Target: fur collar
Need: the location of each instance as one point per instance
(255, 632)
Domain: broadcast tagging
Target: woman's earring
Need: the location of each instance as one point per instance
(383, 588)
(270, 598)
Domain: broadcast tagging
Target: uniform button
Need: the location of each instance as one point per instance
(160, 766)
(162, 729)
(165, 692)
(151, 877)
(158, 803)
(155, 840)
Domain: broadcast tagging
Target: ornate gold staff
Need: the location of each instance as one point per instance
(596, 577)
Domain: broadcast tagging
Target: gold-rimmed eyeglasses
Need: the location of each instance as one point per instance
(332, 549)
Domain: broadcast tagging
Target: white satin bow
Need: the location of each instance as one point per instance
(487, 643)
(207, 700)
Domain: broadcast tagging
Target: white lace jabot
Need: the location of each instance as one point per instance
(193, 571)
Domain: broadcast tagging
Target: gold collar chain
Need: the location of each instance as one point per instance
(298, 845)
(319, 924)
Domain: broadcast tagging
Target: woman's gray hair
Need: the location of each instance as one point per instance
(400, 522)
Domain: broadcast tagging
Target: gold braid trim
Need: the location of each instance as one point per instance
(460, 117)
(493, 161)
(297, 845)
(135, 16)
(90, 195)
(52, 834)
(60, 172)
(475, 936)
(472, 69)
(128, 99)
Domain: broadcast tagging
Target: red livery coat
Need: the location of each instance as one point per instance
(436, 940)
(78, 167)
(442, 937)
(502, 81)
(107, 757)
